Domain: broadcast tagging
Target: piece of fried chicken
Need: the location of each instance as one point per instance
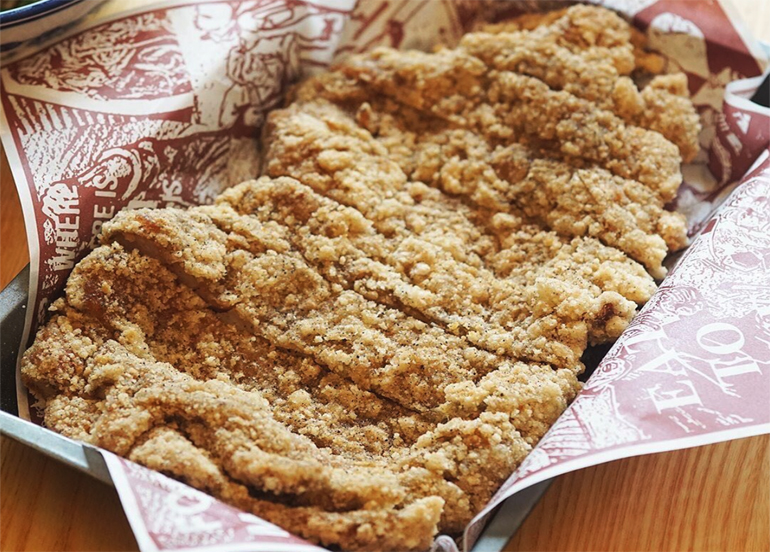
(362, 345)
(139, 363)
(576, 157)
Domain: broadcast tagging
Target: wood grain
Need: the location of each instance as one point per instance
(715, 497)
(44, 505)
(708, 498)
(13, 238)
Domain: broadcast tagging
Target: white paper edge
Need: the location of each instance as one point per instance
(753, 45)
(735, 89)
(143, 538)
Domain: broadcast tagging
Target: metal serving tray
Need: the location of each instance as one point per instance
(13, 309)
(82, 457)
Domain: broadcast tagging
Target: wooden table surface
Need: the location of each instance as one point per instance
(715, 497)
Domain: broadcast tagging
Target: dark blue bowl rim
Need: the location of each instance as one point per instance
(33, 11)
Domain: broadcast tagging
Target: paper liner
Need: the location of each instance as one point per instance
(161, 107)
(693, 368)
(165, 514)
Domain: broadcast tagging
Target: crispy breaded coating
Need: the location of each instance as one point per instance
(437, 215)
(286, 301)
(424, 81)
(537, 54)
(231, 427)
(363, 344)
(301, 138)
(592, 76)
(458, 161)
(519, 388)
(444, 82)
(589, 52)
(574, 202)
(492, 313)
(572, 54)
(137, 392)
(122, 330)
(408, 528)
(518, 108)
(582, 26)
(112, 285)
(323, 147)
(668, 109)
(579, 28)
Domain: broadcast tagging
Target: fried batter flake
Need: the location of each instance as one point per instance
(287, 301)
(431, 216)
(127, 329)
(495, 314)
(589, 201)
(662, 105)
(508, 107)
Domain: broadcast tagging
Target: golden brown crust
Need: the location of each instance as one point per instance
(408, 274)
(506, 107)
(588, 52)
(470, 235)
(573, 201)
(142, 354)
(580, 28)
(602, 136)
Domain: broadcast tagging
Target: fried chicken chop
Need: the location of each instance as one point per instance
(363, 344)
